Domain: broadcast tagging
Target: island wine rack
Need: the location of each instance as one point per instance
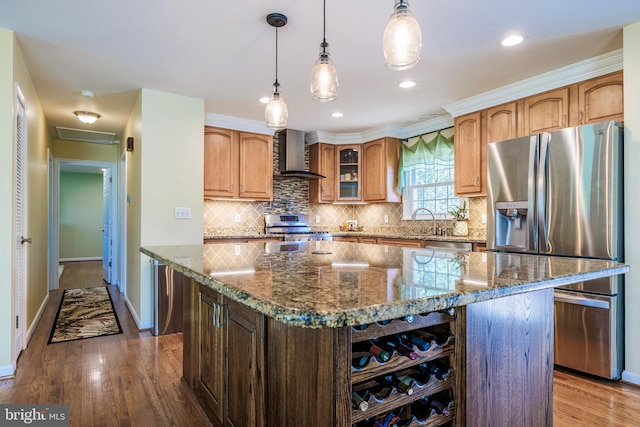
(409, 403)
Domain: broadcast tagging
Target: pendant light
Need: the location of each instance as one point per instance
(324, 77)
(275, 113)
(402, 40)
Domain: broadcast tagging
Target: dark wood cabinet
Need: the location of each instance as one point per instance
(224, 357)
(244, 400)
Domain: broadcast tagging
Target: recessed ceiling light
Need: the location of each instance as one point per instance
(264, 99)
(337, 114)
(406, 84)
(512, 40)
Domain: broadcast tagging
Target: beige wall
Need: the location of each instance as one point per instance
(13, 71)
(6, 199)
(164, 171)
(631, 201)
(62, 149)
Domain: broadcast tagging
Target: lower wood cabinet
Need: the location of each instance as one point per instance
(217, 330)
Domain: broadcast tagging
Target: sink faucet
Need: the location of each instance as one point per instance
(415, 213)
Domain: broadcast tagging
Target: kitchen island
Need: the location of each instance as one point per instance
(283, 338)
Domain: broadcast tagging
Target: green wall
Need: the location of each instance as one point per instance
(80, 215)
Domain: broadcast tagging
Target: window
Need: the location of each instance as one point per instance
(428, 169)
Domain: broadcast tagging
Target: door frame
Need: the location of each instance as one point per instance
(121, 230)
(54, 254)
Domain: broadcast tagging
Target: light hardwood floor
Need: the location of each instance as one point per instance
(134, 379)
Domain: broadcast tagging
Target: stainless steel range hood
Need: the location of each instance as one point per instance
(291, 143)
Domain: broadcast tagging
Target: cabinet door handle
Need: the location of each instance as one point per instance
(564, 122)
(477, 181)
(580, 119)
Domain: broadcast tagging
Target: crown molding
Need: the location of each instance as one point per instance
(237, 123)
(583, 70)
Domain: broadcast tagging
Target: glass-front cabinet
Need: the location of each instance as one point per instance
(349, 172)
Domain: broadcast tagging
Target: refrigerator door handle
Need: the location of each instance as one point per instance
(532, 232)
(542, 195)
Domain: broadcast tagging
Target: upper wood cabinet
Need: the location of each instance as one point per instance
(599, 100)
(322, 160)
(237, 165)
(470, 155)
(501, 122)
(220, 162)
(380, 170)
(256, 166)
(348, 186)
(545, 112)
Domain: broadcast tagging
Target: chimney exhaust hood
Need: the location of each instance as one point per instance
(291, 143)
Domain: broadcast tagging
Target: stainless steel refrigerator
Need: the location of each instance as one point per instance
(560, 193)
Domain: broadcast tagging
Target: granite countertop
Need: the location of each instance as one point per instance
(334, 284)
(372, 234)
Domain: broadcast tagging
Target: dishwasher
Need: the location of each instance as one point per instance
(167, 299)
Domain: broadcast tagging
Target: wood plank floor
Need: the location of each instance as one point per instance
(134, 379)
(130, 379)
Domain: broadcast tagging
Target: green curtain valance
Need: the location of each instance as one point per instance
(420, 153)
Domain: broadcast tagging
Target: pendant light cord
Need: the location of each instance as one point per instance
(276, 85)
(324, 21)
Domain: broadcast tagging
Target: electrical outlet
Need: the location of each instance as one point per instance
(317, 218)
(182, 213)
(237, 249)
(483, 218)
(237, 219)
(386, 219)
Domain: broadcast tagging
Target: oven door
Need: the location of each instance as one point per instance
(588, 333)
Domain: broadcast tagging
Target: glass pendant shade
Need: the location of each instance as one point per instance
(324, 77)
(402, 40)
(275, 113)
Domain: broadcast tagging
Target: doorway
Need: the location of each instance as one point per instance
(84, 219)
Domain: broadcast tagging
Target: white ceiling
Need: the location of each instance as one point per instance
(224, 52)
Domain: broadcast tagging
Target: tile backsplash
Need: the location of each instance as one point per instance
(292, 195)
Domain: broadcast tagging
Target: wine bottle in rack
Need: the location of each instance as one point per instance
(438, 406)
(393, 342)
(405, 387)
(434, 368)
(370, 348)
(358, 402)
(421, 344)
(439, 338)
(388, 420)
(360, 327)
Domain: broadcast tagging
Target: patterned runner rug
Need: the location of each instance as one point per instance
(85, 313)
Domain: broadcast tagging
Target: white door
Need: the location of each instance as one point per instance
(106, 225)
(20, 259)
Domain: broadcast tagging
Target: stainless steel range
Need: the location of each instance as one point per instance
(293, 227)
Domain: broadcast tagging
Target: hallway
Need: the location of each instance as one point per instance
(130, 379)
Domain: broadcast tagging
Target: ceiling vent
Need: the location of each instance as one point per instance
(70, 134)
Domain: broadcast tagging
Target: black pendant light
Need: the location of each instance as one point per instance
(324, 77)
(275, 113)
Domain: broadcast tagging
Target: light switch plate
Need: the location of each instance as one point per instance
(483, 218)
(386, 219)
(237, 219)
(317, 218)
(182, 213)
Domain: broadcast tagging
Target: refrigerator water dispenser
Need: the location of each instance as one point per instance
(512, 222)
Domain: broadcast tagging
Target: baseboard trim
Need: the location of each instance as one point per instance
(139, 324)
(631, 377)
(36, 320)
(88, 258)
(8, 371)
